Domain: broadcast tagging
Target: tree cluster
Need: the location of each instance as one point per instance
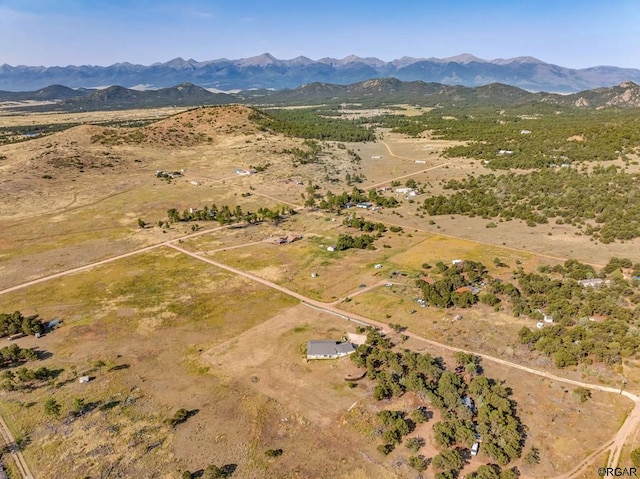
(603, 203)
(310, 153)
(454, 287)
(360, 223)
(24, 378)
(346, 242)
(311, 123)
(471, 405)
(552, 138)
(14, 354)
(333, 202)
(16, 322)
(575, 336)
(226, 215)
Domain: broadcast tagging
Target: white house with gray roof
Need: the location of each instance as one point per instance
(594, 282)
(328, 349)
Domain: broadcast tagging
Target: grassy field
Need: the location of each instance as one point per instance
(147, 318)
(336, 273)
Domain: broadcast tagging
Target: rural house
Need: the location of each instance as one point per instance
(328, 349)
(594, 282)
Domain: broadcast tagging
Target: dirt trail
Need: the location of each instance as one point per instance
(391, 153)
(389, 181)
(13, 448)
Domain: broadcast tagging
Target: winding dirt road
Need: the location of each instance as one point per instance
(631, 424)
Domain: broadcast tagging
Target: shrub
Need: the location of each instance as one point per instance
(385, 449)
(273, 452)
(179, 417)
(414, 444)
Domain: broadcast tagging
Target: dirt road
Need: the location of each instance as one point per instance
(108, 260)
(391, 153)
(631, 424)
(629, 427)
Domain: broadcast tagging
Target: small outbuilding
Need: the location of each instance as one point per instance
(475, 448)
(84, 379)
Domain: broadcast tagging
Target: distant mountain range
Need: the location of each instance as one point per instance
(266, 72)
(375, 92)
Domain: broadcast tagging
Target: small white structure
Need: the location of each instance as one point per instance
(377, 266)
(540, 325)
(525, 132)
(194, 182)
(313, 275)
(376, 157)
(422, 162)
(331, 248)
(475, 448)
(403, 191)
(245, 172)
(505, 152)
(594, 282)
(457, 261)
(84, 379)
(545, 317)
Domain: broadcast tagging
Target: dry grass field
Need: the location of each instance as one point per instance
(174, 332)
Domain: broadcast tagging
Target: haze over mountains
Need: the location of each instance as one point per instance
(266, 71)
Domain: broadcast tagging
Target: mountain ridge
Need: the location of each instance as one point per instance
(375, 91)
(265, 71)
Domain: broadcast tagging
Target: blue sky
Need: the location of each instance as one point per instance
(565, 32)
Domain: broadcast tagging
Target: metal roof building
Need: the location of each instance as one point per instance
(328, 349)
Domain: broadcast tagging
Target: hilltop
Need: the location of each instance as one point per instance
(193, 127)
(89, 160)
